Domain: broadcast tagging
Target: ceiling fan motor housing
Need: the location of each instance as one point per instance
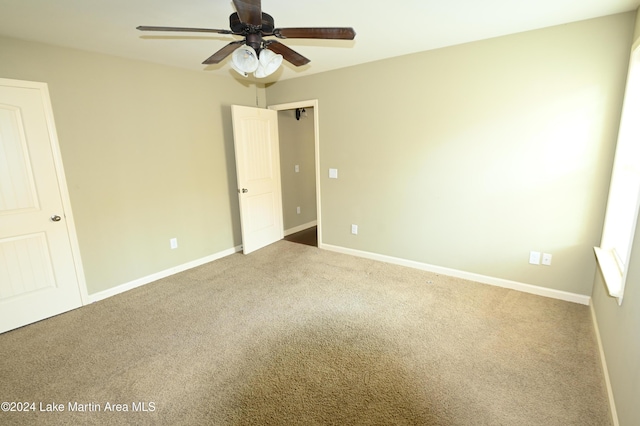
(240, 28)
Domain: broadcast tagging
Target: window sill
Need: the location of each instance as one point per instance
(611, 273)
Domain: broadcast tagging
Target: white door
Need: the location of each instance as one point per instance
(38, 278)
(255, 133)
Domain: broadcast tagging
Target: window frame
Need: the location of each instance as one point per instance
(613, 265)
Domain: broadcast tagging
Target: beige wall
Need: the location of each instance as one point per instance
(636, 33)
(468, 157)
(297, 146)
(620, 330)
(148, 154)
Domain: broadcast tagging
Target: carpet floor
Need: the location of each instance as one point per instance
(295, 335)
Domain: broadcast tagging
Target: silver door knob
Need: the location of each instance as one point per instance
(55, 218)
(245, 190)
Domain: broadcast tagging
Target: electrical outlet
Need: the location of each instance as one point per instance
(354, 229)
(173, 243)
(534, 257)
(546, 259)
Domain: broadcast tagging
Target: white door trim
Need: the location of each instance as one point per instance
(316, 131)
(62, 182)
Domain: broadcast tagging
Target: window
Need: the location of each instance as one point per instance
(624, 192)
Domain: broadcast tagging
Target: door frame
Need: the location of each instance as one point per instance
(69, 222)
(313, 103)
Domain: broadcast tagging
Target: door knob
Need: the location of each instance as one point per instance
(55, 218)
(245, 190)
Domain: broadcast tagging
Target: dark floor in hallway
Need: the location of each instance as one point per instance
(307, 236)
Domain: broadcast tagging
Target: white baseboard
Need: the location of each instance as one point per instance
(300, 228)
(95, 297)
(499, 282)
(605, 369)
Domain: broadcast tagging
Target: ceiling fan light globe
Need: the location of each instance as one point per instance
(260, 72)
(238, 70)
(245, 60)
(269, 63)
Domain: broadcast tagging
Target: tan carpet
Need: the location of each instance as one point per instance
(296, 335)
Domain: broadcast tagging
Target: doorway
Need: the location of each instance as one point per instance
(299, 158)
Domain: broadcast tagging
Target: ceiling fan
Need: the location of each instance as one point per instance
(257, 54)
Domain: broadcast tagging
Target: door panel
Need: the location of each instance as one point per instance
(260, 210)
(17, 188)
(38, 277)
(26, 267)
(258, 171)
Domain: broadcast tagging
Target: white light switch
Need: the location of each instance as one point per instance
(354, 229)
(534, 257)
(333, 173)
(297, 168)
(173, 243)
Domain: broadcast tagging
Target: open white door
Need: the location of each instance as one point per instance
(255, 133)
(38, 277)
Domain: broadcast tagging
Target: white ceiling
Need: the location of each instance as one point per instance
(384, 28)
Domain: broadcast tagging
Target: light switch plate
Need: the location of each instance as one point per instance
(297, 168)
(534, 257)
(333, 173)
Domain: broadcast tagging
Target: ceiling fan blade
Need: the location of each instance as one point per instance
(223, 53)
(194, 30)
(341, 33)
(249, 11)
(289, 54)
